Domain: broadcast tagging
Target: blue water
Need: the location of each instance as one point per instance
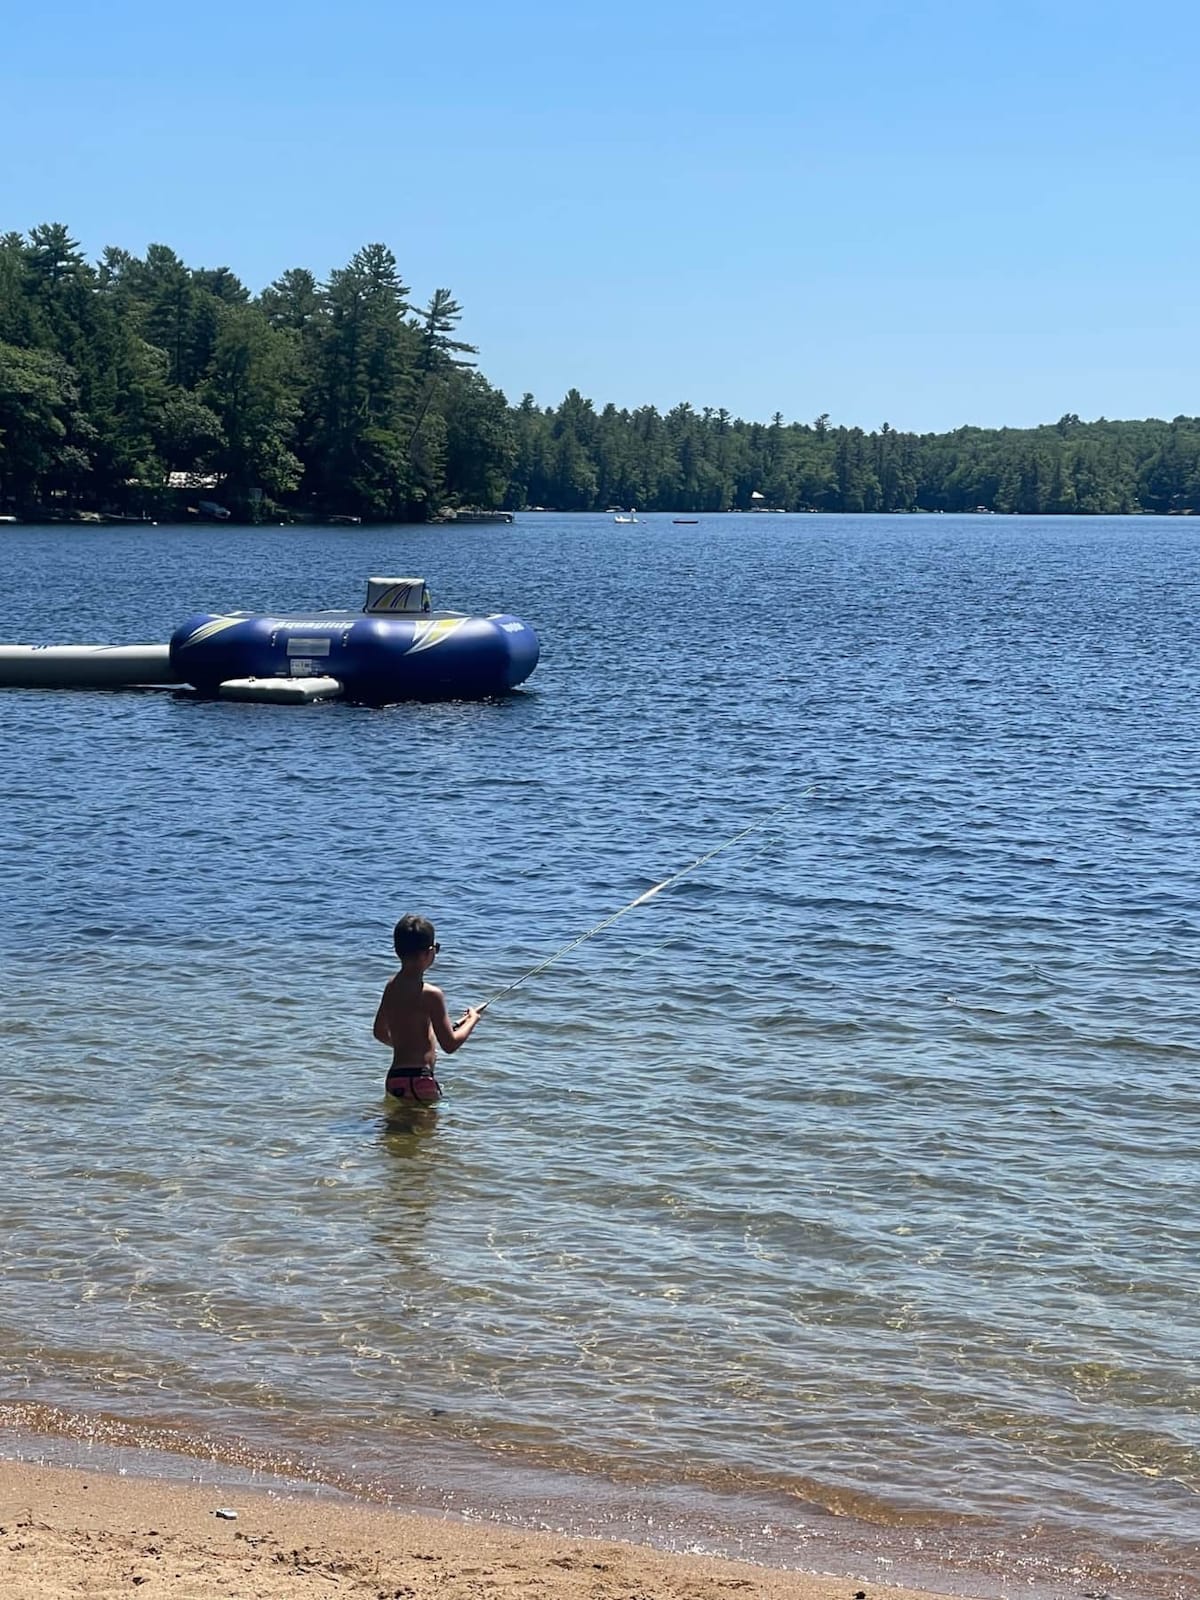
(855, 1173)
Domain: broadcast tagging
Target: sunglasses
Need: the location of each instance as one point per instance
(434, 947)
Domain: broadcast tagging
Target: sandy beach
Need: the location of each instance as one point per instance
(66, 1532)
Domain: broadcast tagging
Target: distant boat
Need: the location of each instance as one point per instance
(685, 522)
(210, 511)
(475, 514)
(626, 516)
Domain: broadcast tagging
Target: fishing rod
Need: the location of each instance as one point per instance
(640, 901)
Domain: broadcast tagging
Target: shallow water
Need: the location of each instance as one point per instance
(854, 1173)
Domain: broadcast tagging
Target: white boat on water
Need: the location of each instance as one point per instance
(626, 516)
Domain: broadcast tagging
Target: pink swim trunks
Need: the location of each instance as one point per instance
(416, 1085)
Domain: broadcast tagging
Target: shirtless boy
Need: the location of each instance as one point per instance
(413, 1018)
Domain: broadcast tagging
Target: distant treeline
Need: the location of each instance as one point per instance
(342, 398)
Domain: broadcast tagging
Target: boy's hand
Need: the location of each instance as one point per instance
(470, 1017)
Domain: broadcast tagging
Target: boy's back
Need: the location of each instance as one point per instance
(406, 1011)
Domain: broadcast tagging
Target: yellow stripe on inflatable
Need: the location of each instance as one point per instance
(397, 598)
(208, 629)
(430, 633)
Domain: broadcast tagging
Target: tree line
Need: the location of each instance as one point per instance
(342, 397)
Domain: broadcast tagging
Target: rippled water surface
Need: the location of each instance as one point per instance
(855, 1173)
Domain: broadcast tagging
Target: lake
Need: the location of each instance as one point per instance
(836, 1206)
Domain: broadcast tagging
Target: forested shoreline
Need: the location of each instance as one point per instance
(139, 386)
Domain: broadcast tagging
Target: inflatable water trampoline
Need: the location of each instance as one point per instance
(396, 648)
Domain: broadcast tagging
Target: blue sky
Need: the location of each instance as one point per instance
(927, 214)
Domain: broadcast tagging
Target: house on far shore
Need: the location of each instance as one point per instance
(184, 485)
(194, 481)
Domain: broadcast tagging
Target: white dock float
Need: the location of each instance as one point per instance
(85, 666)
(281, 691)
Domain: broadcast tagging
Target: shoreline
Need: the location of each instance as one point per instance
(69, 1529)
(666, 1539)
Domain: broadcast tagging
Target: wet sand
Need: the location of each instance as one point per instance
(66, 1532)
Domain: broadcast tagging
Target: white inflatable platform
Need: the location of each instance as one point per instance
(281, 691)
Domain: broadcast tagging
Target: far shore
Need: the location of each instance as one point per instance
(44, 516)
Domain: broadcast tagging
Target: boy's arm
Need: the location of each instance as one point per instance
(448, 1034)
(380, 1026)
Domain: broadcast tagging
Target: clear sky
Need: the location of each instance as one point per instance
(925, 213)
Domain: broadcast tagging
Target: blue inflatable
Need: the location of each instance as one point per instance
(396, 648)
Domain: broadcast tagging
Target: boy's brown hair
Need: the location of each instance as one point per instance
(412, 935)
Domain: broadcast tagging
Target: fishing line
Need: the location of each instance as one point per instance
(641, 900)
(682, 936)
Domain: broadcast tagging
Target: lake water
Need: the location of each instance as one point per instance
(837, 1207)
